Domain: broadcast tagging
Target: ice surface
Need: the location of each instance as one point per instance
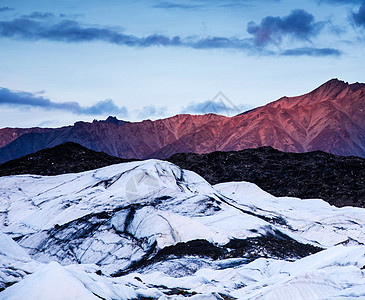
(313, 220)
(51, 282)
(63, 237)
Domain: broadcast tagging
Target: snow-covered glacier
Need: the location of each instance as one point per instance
(150, 230)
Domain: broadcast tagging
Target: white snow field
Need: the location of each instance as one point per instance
(149, 230)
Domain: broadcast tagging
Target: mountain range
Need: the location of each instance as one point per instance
(330, 118)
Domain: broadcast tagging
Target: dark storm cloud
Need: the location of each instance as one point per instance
(3, 9)
(359, 16)
(298, 24)
(70, 31)
(311, 52)
(20, 98)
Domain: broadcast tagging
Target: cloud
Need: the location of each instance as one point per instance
(219, 105)
(150, 111)
(298, 24)
(178, 6)
(203, 4)
(49, 123)
(39, 15)
(241, 3)
(3, 9)
(70, 16)
(359, 17)
(307, 51)
(70, 31)
(221, 43)
(20, 98)
(339, 2)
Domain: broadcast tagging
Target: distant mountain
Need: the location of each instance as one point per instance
(336, 179)
(330, 118)
(129, 140)
(7, 135)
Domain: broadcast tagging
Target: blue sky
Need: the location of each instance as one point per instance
(63, 61)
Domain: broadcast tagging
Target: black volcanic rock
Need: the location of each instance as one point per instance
(338, 180)
(276, 245)
(65, 158)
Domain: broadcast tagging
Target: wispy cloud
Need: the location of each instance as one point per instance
(49, 123)
(178, 6)
(205, 4)
(241, 3)
(339, 2)
(70, 16)
(72, 31)
(151, 111)
(359, 16)
(299, 24)
(3, 9)
(39, 15)
(44, 26)
(23, 99)
(308, 51)
(215, 107)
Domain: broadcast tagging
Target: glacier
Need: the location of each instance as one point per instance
(150, 230)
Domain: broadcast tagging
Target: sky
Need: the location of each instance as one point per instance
(68, 61)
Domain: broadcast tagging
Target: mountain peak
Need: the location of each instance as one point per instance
(112, 120)
(334, 80)
(335, 86)
(328, 91)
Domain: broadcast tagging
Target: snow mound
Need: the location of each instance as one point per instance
(312, 219)
(51, 282)
(10, 249)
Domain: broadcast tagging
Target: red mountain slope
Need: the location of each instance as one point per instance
(331, 118)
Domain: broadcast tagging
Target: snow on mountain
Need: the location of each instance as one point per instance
(149, 229)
